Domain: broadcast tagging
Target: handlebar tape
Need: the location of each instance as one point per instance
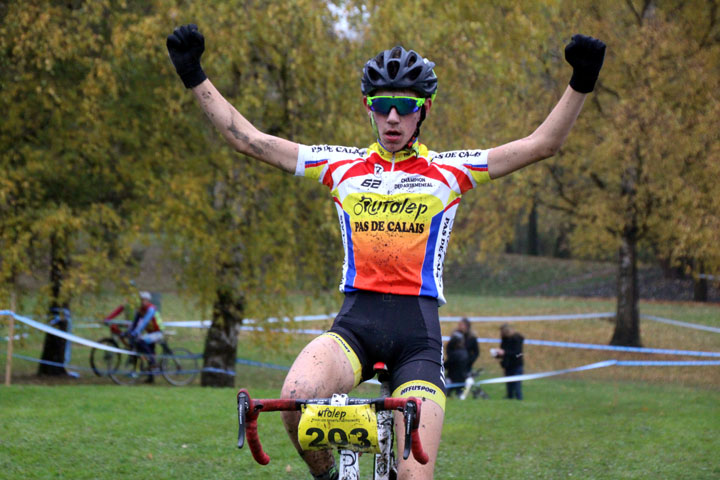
(251, 433)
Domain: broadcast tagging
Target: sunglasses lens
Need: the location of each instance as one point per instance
(403, 105)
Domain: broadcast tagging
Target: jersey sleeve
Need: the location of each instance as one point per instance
(469, 167)
(319, 162)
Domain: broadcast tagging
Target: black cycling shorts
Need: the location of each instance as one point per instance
(403, 331)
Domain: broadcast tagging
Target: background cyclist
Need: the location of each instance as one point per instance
(146, 329)
(396, 200)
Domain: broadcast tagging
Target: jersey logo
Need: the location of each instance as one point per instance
(370, 183)
(378, 170)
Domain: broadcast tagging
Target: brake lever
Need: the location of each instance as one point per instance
(243, 401)
(410, 415)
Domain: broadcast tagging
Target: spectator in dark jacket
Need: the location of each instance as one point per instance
(460, 354)
(510, 354)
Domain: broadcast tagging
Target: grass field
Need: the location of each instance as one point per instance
(609, 423)
(564, 429)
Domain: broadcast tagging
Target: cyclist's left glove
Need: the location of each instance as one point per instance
(585, 54)
(186, 45)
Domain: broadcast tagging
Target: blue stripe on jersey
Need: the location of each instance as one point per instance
(315, 163)
(351, 271)
(481, 167)
(429, 287)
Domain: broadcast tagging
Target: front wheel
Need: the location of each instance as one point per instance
(103, 362)
(179, 366)
(130, 369)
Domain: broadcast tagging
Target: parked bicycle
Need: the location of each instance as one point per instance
(177, 365)
(352, 425)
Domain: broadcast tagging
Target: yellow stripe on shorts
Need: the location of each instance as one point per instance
(350, 354)
(421, 389)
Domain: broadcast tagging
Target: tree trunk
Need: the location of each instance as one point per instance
(54, 347)
(627, 320)
(700, 290)
(221, 341)
(700, 284)
(627, 323)
(532, 237)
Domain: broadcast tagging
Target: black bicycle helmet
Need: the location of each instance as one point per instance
(399, 69)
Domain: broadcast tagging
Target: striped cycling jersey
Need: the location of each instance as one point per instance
(396, 211)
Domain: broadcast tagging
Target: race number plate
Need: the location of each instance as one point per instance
(353, 427)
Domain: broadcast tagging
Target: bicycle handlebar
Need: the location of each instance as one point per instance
(249, 410)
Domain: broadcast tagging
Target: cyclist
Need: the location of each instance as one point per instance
(396, 201)
(147, 319)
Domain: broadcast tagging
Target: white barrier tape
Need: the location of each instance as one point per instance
(189, 324)
(532, 376)
(682, 324)
(612, 348)
(546, 343)
(668, 363)
(65, 335)
(606, 363)
(475, 319)
(586, 346)
(307, 331)
(529, 318)
(15, 337)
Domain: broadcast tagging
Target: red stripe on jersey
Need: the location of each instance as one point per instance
(362, 168)
(451, 204)
(462, 179)
(328, 178)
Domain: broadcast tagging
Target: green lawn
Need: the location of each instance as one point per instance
(564, 429)
(609, 423)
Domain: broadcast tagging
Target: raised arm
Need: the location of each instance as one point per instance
(585, 55)
(185, 46)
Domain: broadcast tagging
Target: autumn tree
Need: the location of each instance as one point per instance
(246, 233)
(644, 145)
(73, 166)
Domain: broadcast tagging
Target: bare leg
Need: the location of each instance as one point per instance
(431, 423)
(320, 370)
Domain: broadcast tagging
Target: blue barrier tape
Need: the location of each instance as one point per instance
(48, 362)
(253, 363)
(682, 324)
(77, 367)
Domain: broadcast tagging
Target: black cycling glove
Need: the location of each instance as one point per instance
(585, 55)
(186, 45)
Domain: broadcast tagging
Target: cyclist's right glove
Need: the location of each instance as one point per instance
(585, 54)
(186, 45)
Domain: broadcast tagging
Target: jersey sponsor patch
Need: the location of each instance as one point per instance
(421, 389)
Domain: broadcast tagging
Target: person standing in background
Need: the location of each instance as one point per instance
(510, 354)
